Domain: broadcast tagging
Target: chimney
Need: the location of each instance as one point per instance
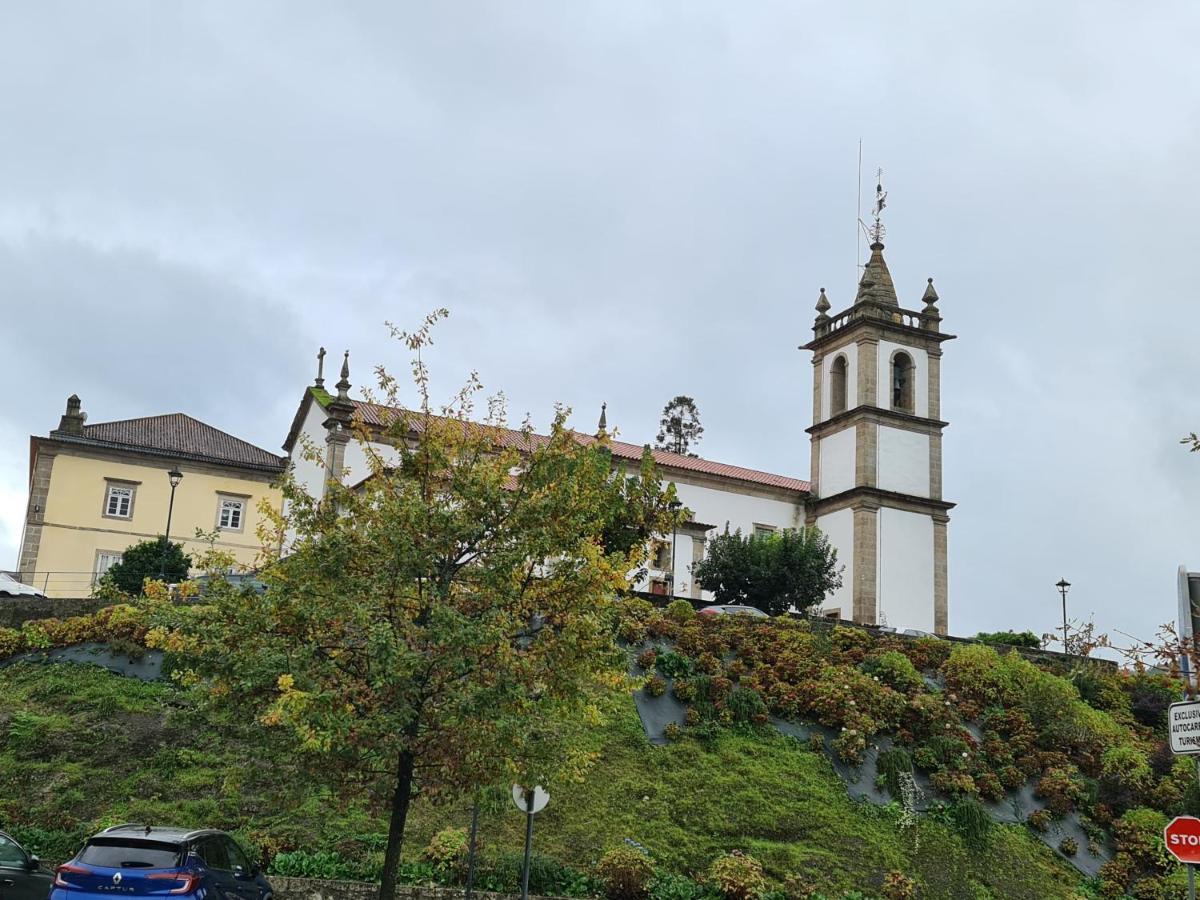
(73, 419)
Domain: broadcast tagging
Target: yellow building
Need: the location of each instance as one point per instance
(95, 490)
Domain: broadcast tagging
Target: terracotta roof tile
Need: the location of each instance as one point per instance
(380, 416)
(176, 435)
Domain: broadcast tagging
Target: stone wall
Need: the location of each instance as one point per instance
(315, 889)
(15, 610)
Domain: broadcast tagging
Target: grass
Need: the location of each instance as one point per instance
(81, 748)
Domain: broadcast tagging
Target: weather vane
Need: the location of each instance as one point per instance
(878, 231)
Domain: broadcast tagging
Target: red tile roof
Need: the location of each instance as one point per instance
(176, 435)
(380, 416)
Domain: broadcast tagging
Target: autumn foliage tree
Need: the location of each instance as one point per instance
(446, 624)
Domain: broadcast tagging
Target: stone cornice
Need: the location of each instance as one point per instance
(878, 415)
(876, 498)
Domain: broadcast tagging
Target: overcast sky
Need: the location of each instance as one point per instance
(622, 202)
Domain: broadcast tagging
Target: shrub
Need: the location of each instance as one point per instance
(631, 631)
(674, 665)
(673, 731)
(927, 653)
(625, 873)
(447, 849)
(1150, 695)
(890, 765)
(1061, 788)
(1039, 820)
(898, 886)
(738, 876)
(667, 886)
(747, 707)
(1009, 638)
(1069, 846)
(680, 611)
(148, 559)
(797, 886)
(656, 686)
(895, 670)
(647, 658)
(971, 821)
(684, 690)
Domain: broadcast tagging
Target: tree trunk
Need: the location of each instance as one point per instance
(400, 801)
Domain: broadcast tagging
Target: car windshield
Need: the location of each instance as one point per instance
(123, 853)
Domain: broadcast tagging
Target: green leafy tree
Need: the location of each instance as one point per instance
(448, 623)
(791, 569)
(1010, 638)
(679, 430)
(157, 559)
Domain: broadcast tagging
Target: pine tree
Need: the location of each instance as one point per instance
(679, 429)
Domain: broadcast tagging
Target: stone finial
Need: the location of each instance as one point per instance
(343, 385)
(602, 427)
(72, 420)
(320, 379)
(930, 297)
(822, 308)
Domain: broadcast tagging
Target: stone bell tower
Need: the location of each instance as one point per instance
(877, 450)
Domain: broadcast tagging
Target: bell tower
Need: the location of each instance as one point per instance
(877, 450)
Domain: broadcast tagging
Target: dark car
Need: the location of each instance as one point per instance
(141, 861)
(21, 874)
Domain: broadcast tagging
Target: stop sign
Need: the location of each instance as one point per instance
(1182, 835)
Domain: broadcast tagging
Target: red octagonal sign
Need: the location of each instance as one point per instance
(1182, 835)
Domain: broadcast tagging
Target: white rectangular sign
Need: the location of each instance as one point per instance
(1183, 722)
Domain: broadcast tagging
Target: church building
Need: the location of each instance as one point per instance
(876, 485)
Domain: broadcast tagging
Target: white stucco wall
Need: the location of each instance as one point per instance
(715, 506)
(850, 351)
(839, 528)
(838, 459)
(310, 475)
(906, 569)
(902, 460)
(920, 377)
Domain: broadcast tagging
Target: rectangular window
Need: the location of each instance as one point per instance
(231, 511)
(661, 557)
(764, 530)
(118, 502)
(105, 561)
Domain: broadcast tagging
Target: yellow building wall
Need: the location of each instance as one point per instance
(75, 527)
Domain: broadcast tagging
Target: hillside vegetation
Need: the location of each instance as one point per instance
(81, 748)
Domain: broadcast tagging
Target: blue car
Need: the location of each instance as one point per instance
(141, 861)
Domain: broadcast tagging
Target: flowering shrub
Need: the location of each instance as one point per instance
(625, 873)
(895, 670)
(737, 876)
(447, 849)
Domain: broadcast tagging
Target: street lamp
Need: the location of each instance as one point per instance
(1064, 586)
(674, 506)
(174, 476)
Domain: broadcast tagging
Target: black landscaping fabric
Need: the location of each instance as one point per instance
(145, 667)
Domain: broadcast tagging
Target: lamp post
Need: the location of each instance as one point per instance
(1064, 586)
(674, 506)
(174, 476)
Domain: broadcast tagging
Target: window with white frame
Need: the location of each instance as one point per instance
(230, 513)
(118, 501)
(105, 560)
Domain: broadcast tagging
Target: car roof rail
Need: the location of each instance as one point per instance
(123, 825)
